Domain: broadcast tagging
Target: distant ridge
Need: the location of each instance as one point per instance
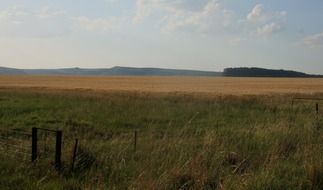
(115, 71)
(132, 71)
(10, 71)
(261, 72)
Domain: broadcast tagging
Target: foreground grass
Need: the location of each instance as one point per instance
(184, 141)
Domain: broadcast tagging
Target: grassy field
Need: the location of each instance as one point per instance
(184, 141)
(209, 85)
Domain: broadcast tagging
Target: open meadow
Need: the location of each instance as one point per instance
(191, 133)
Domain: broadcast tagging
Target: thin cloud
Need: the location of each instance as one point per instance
(236, 41)
(47, 12)
(257, 13)
(261, 15)
(19, 22)
(99, 24)
(314, 41)
(269, 29)
(12, 14)
(179, 15)
(265, 22)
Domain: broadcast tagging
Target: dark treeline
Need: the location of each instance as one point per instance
(260, 72)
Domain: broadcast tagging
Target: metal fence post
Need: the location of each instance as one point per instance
(58, 153)
(34, 144)
(317, 108)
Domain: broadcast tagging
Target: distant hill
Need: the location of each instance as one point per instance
(261, 72)
(10, 71)
(115, 71)
(131, 71)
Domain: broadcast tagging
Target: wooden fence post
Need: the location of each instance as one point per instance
(7, 141)
(74, 153)
(135, 141)
(58, 153)
(34, 144)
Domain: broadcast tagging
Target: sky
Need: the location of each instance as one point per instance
(181, 34)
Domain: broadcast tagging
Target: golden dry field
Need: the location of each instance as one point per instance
(211, 85)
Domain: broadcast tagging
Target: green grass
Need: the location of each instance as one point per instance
(184, 141)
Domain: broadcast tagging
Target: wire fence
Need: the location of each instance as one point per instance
(312, 104)
(16, 143)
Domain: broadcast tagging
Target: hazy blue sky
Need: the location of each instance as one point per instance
(188, 34)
